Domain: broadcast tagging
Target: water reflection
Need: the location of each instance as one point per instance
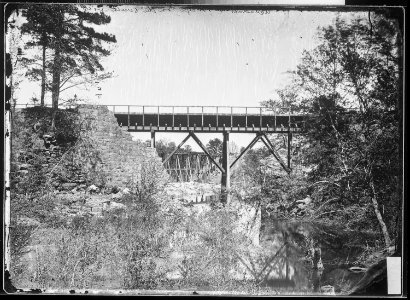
(303, 257)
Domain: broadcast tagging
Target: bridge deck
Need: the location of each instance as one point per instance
(138, 118)
(207, 121)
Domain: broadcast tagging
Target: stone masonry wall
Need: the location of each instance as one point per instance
(119, 157)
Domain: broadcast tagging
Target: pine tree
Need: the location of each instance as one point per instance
(67, 30)
(77, 46)
(38, 26)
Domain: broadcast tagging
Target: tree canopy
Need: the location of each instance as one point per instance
(77, 47)
(351, 82)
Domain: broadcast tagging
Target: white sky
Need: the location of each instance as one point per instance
(193, 57)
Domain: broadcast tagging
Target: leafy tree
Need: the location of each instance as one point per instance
(164, 149)
(214, 147)
(351, 82)
(188, 148)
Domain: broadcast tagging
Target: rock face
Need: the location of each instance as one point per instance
(120, 156)
(249, 220)
(117, 158)
(198, 196)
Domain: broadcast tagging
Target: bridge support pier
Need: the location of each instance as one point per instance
(225, 180)
(152, 139)
(289, 148)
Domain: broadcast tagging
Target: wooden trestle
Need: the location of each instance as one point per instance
(258, 120)
(226, 167)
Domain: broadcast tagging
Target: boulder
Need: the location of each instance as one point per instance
(92, 189)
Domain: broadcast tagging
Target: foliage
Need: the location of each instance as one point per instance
(148, 182)
(355, 154)
(208, 245)
(164, 149)
(77, 46)
(88, 252)
(214, 147)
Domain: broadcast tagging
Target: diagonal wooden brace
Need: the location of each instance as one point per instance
(251, 144)
(191, 133)
(176, 149)
(271, 148)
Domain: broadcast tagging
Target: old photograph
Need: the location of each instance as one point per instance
(203, 150)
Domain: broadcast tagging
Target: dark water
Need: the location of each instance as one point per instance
(294, 271)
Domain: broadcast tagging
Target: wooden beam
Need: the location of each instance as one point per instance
(231, 117)
(152, 139)
(191, 133)
(246, 118)
(217, 125)
(143, 117)
(176, 149)
(173, 118)
(225, 180)
(158, 118)
(178, 167)
(202, 118)
(187, 111)
(271, 148)
(250, 145)
(128, 124)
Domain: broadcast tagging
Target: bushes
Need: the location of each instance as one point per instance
(209, 243)
(90, 252)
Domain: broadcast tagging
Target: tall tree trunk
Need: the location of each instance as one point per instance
(43, 77)
(379, 216)
(55, 88)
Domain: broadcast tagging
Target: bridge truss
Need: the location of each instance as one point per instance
(216, 119)
(189, 166)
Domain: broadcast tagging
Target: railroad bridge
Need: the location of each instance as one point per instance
(214, 119)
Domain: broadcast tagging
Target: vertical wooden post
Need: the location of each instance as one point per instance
(275, 118)
(189, 167)
(246, 119)
(178, 168)
(152, 139)
(173, 117)
(202, 126)
(225, 180)
(231, 117)
(216, 117)
(158, 118)
(143, 117)
(198, 166)
(128, 118)
(187, 111)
